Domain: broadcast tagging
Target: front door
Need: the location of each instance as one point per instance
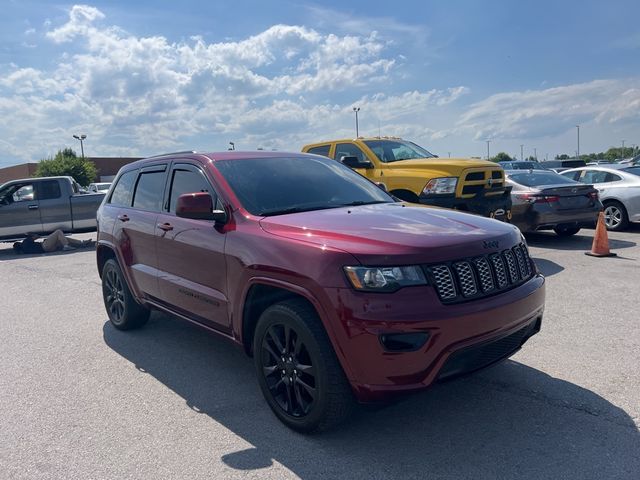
(352, 150)
(191, 261)
(19, 210)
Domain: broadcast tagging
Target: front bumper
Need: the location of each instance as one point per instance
(462, 337)
(492, 203)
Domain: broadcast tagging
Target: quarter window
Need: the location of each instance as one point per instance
(149, 191)
(123, 190)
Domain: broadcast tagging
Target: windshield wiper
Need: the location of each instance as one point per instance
(284, 211)
(363, 202)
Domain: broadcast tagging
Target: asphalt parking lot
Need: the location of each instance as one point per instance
(79, 399)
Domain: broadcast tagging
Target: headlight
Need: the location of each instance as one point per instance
(440, 186)
(384, 279)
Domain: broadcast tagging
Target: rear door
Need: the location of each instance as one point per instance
(19, 210)
(192, 267)
(135, 228)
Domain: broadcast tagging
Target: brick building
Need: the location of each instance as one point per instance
(107, 168)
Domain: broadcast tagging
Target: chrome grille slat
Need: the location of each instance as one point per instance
(467, 279)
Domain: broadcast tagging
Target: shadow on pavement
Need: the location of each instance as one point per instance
(547, 267)
(511, 421)
(580, 241)
(8, 253)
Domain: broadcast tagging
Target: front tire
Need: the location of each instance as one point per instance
(297, 368)
(615, 216)
(123, 311)
(566, 231)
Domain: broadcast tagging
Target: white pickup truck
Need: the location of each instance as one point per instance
(42, 205)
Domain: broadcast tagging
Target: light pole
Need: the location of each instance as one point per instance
(488, 156)
(521, 152)
(81, 138)
(578, 128)
(357, 109)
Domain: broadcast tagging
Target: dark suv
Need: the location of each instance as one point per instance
(338, 291)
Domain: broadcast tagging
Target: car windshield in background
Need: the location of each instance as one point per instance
(539, 177)
(276, 186)
(395, 150)
(521, 166)
(632, 170)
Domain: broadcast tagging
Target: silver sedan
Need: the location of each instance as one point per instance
(619, 192)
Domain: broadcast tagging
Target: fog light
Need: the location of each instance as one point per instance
(403, 342)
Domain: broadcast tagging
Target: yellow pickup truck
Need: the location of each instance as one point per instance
(413, 174)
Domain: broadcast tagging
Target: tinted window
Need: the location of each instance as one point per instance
(349, 150)
(186, 181)
(123, 190)
(612, 177)
(594, 176)
(321, 150)
(572, 175)
(539, 177)
(49, 189)
(149, 191)
(271, 186)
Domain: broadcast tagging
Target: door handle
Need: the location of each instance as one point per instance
(33, 207)
(165, 226)
(123, 218)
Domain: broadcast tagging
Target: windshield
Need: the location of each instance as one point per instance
(389, 151)
(276, 186)
(539, 177)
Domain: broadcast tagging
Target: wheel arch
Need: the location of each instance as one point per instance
(406, 195)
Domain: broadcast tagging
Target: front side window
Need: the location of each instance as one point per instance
(276, 186)
(349, 150)
(123, 191)
(186, 181)
(17, 193)
(149, 191)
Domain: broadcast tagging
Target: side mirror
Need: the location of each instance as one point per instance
(199, 206)
(355, 162)
(382, 186)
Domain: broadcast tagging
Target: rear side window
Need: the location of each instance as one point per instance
(48, 190)
(321, 150)
(149, 191)
(123, 190)
(187, 181)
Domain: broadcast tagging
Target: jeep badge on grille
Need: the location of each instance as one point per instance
(490, 244)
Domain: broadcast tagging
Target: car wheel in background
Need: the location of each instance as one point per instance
(566, 231)
(615, 216)
(123, 311)
(298, 370)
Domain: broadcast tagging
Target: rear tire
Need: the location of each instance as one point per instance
(123, 311)
(566, 231)
(615, 216)
(297, 368)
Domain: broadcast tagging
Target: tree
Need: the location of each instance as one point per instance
(502, 157)
(564, 156)
(67, 163)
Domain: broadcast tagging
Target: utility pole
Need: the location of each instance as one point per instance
(488, 155)
(357, 109)
(83, 136)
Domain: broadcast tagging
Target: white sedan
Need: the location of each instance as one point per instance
(619, 192)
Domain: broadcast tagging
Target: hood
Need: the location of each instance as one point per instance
(396, 233)
(447, 166)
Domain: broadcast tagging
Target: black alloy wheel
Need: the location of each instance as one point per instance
(123, 311)
(298, 371)
(288, 370)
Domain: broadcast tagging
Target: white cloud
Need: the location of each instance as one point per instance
(539, 113)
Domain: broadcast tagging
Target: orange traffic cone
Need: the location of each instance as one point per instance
(600, 247)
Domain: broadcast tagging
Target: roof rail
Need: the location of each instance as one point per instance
(172, 153)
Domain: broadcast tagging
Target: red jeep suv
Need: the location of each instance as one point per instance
(338, 291)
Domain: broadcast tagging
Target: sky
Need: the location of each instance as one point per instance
(141, 78)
